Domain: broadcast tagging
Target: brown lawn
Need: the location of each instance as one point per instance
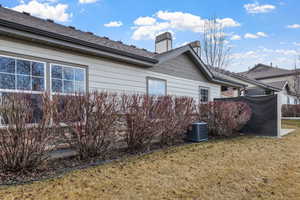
(240, 168)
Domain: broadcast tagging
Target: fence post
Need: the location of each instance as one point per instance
(279, 105)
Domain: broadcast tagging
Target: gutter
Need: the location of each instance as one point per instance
(255, 82)
(227, 82)
(275, 76)
(36, 31)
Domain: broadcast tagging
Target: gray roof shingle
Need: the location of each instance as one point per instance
(278, 84)
(261, 71)
(50, 26)
(220, 72)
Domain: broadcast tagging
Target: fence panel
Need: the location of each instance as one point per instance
(266, 115)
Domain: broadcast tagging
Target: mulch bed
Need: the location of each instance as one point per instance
(59, 167)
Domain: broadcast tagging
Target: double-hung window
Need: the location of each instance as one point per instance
(19, 75)
(203, 94)
(156, 87)
(67, 79)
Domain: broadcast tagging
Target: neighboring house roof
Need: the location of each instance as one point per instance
(278, 84)
(262, 71)
(220, 72)
(25, 26)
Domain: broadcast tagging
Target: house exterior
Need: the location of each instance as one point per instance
(262, 80)
(287, 81)
(252, 87)
(39, 55)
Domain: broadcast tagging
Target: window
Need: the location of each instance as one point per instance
(19, 74)
(66, 79)
(288, 100)
(156, 87)
(22, 75)
(204, 95)
(268, 92)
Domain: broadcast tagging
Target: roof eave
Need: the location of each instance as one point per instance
(275, 76)
(19, 30)
(228, 83)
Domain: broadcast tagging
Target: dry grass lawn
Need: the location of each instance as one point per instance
(240, 168)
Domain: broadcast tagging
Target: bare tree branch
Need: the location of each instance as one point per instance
(296, 81)
(214, 51)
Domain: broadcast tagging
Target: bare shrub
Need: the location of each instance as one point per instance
(177, 116)
(143, 115)
(224, 118)
(24, 137)
(290, 110)
(90, 121)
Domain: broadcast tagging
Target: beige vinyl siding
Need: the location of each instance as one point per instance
(181, 66)
(108, 75)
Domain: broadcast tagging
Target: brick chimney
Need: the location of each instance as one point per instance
(196, 46)
(163, 42)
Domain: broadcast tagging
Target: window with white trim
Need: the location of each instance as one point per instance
(203, 94)
(156, 87)
(67, 79)
(18, 75)
(21, 75)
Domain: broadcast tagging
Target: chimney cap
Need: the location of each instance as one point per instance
(163, 36)
(195, 44)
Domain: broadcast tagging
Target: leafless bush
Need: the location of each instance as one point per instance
(177, 116)
(290, 110)
(143, 120)
(24, 137)
(224, 118)
(90, 121)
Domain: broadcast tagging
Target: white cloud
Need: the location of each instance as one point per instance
(235, 37)
(114, 24)
(148, 27)
(255, 8)
(279, 57)
(296, 43)
(294, 26)
(228, 22)
(149, 32)
(251, 36)
(87, 1)
(56, 12)
(144, 21)
(183, 44)
(255, 36)
(51, 1)
(261, 34)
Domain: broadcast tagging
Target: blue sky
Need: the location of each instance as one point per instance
(258, 31)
